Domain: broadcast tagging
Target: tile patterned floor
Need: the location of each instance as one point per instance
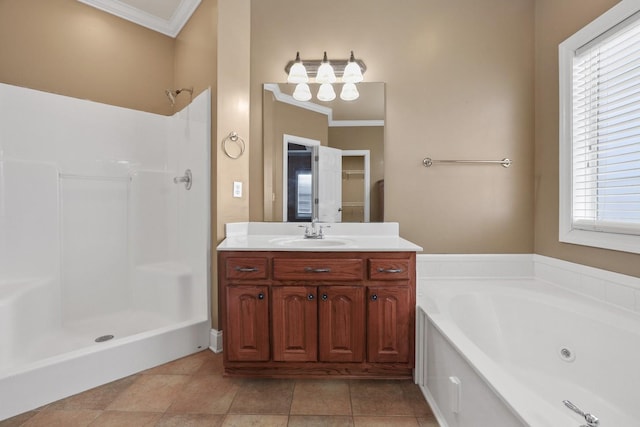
(192, 392)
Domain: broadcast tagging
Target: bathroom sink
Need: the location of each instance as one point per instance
(299, 242)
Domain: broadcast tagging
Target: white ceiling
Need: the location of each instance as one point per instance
(165, 16)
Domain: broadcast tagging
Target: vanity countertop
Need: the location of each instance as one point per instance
(339, 237)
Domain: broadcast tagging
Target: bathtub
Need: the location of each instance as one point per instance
(44, 358)
(508, 351)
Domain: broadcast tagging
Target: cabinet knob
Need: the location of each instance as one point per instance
(324, 297)
(260, 295)
(374, 297)
(310, 297)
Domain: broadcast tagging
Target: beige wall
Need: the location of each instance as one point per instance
(195, 59)
(69, 48)
(233, 108)
(459, 77)
(556, 21)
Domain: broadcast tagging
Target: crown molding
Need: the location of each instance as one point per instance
(327, 111)
(355, 123)
(169, 27)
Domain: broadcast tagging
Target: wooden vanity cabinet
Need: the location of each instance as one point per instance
(316, 314)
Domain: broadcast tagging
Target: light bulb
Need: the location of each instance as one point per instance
(297, 72)
(325, 72)
(349, 92)
(302, 92)
(352, 72)
(326, 92)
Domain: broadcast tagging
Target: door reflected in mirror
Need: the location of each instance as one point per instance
(299, 183)
(323, 160)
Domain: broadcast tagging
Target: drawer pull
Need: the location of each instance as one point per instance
(317, 270)
(390, 270)
(247, 269)
(260, 295)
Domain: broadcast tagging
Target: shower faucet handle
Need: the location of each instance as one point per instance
(187, 179)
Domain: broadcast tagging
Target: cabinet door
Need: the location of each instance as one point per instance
(388, 324)
(295, 324)
(342, 319)
(246, 333)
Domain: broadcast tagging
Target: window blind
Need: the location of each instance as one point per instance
(606, 132)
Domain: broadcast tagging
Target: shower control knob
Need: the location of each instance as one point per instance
(187, 179)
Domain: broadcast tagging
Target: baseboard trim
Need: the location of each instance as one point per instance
(215, 341)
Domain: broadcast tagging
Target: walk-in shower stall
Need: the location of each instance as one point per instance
(104, 252)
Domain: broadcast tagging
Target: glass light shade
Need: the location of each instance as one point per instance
(349, 92)
(297, 73)
(326, 92)
(325, 73)
(352, 73)
(302, 92)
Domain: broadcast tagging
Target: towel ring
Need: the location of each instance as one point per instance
(239, 142)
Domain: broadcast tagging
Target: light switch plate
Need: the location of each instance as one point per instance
(237, 188)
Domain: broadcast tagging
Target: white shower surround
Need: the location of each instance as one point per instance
(497, 324)
(96, 239)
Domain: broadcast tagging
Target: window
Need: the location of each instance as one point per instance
(600, 132)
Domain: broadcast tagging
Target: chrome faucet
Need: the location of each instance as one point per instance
(313, 232)
(592, 420)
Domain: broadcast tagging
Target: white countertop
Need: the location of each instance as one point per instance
(339, 237)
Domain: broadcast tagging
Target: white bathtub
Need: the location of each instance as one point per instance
(490, 352)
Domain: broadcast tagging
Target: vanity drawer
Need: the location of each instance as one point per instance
(388, 269)
(317, 269)
(247, 268)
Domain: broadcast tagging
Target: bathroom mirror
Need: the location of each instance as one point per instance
(323, 160)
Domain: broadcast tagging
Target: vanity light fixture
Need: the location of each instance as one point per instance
(349, 70)
(349, 92)
(297, 72)
(326, 92)
(352, 72)
(302, 92)
(325, 72)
